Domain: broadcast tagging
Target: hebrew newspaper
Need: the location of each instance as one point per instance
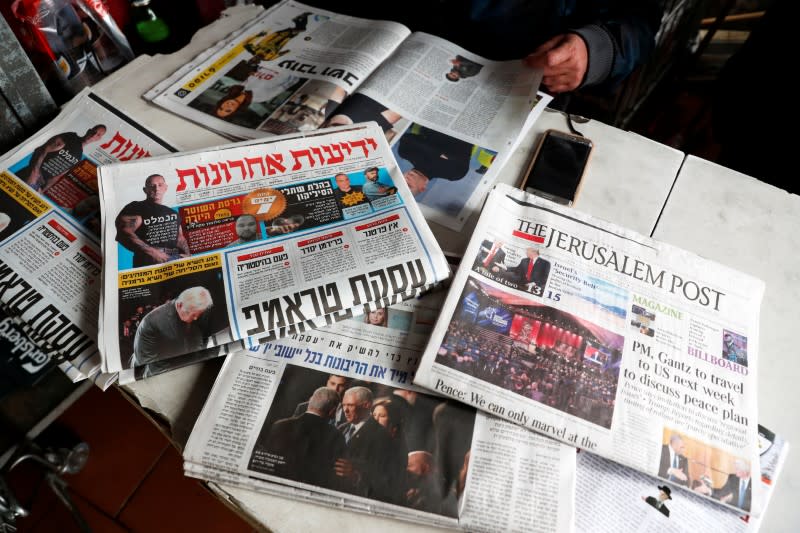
(258, 241)
(50, 258)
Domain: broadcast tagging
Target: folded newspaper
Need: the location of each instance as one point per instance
(453, 118)
(610, 497)
(50, 257)
(259, 240)
(607, 340)
(330, 416)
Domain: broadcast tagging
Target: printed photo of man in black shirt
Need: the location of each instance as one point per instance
(149, 229)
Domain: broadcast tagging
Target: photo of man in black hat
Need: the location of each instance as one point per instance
(664, 494)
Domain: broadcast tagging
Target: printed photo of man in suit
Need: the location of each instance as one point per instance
(337, 384)
(674, 465)
(306, 446)
(532, 271)
(491, 256)
(737, 489)
(366, 466)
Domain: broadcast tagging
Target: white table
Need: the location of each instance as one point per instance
(741, 222)
(628, 181)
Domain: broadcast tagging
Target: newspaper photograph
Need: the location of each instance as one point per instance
(604, 339)
(285, 72)
(644, 503)
(144, 371)
(332, 418)
(453, 118)
(257, 240)
(50, 227)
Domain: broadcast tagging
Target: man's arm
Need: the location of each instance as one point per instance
(725, 494)
(630, 27)
(604, 52)
(519, 268)
(145, 344)
(126, 236)
(183, 246)
(54, 144)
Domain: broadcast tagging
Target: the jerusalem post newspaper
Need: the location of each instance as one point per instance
(607, 340)
(50, 258)
(330, 416)
(611, 497)
(258, 241)
(452, 118)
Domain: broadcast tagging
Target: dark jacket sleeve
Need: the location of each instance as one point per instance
(145, 342)
(621, 36)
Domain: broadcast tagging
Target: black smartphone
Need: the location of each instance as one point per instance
(557, 167)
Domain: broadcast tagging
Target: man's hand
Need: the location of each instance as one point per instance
(345, 468)
(282, 226)
(703, 489)
(678, 473)
(564, 59)
(157, 255)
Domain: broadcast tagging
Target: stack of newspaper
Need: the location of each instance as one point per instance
(571, 329)
(332, 417)
(453, 120)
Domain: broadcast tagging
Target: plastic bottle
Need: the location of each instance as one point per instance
(151, 30)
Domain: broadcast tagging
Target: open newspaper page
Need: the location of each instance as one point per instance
(283, 73)
(255, 240)
(453, 120)
(605, 339)
(610, 497)
(331, 416)
(50, 257)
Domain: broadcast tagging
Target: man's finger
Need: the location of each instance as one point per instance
(561, 83)
(547, 45)
(558, 86)
(538, 58)
(536, 61)
(559, 55)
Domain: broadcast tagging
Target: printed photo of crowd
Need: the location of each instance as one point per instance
(550, 356)
(366, 439)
